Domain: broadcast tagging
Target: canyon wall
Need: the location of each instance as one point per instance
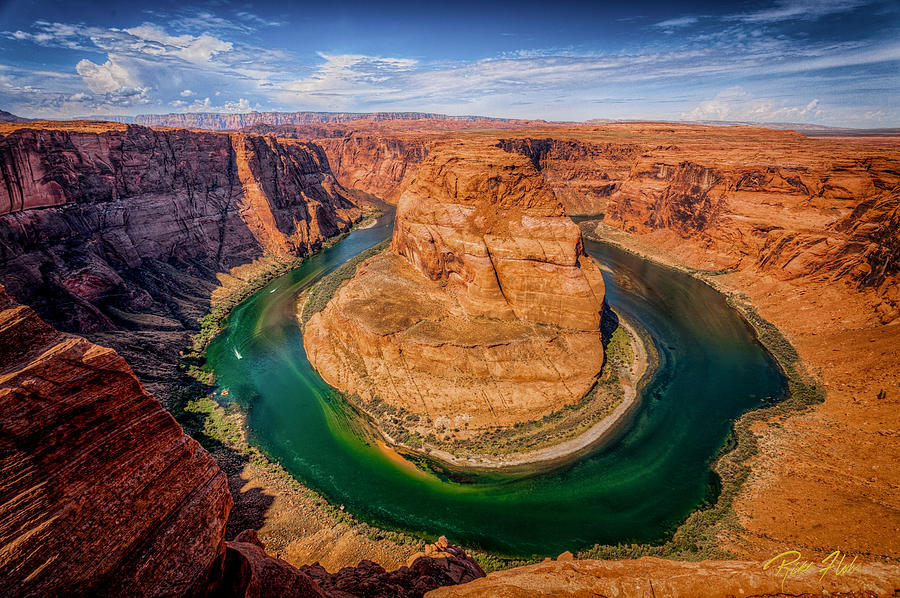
(745, 199)
(382, 166)
(582, 174)
(485, 311)
(139, 221)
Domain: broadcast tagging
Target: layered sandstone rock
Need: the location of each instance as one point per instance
(380, 165)
(101, 492)
(582, 174)
(749, 199)
(485, 310)
(129, 211)
(652, 577)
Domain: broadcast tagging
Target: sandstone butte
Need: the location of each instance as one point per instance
(485, 310)
(807, 229)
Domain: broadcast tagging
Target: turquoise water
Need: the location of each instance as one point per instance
(711, 370)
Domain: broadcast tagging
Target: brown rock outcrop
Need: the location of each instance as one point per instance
(101, 492)
(652, 577)
(443, 565)
(582, 174)
(491, 229)
(485, 311)
(748, 198)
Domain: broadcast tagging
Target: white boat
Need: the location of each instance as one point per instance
(236, 354)
(273, 290)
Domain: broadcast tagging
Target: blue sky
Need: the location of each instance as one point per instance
(833, 62)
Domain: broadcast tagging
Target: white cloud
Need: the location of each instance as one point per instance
(186, 93)
(807, 10)
(107, 77)
(737, 104)
(344, 77)
(197, 49)
(206, 105)
(677, 22)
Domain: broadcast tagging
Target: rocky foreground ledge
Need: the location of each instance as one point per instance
(650, 577)
(102, 493)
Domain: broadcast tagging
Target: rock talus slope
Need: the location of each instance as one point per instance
(480, 307)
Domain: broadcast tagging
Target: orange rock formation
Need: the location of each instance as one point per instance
(485, 310)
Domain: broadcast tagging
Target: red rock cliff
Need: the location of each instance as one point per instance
(749, 199)
(376, 164)
(101, 492)
(128, 206)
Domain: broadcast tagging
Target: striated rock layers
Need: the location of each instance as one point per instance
(744, 198)
(380, 165)
(127, 210)
(485, 310)
(102, 493)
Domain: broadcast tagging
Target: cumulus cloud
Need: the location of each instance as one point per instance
(737, 104)
(103, 78)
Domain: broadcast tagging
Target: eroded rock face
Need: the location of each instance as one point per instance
(748, 199)
(493, 231)
(582, 174)
(130, 208)
(444, 565)
(485, 310)
(101, 492)
(377, 164)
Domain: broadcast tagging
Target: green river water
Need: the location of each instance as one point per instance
(711, 370)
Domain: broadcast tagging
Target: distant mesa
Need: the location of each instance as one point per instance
(8, 117)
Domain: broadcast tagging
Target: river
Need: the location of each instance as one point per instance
(712, 369)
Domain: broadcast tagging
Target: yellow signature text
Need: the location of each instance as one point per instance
(792, 563)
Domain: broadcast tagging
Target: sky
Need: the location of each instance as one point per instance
(830, 62)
